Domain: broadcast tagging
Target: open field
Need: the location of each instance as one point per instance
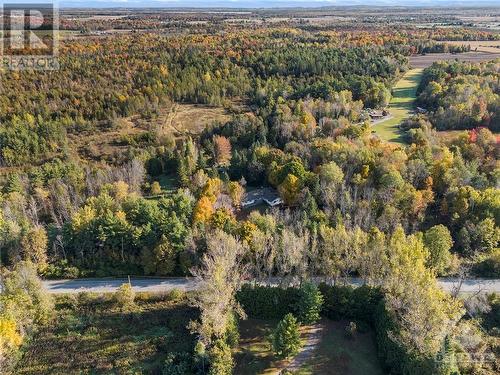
(490, 46)
(424, 61)
(91, 335)
(106, 143)
(193, 119)
(335, 353)
(400, 107)
(189, 119)
(109, 142)
(485, 21)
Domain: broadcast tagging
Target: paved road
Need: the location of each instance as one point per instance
(188, 284)
(111, 285)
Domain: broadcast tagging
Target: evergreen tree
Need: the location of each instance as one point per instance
(310, 303)
(447, 361)
(286, 338)
(221, 360)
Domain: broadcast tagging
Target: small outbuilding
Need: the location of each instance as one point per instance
(377, 115)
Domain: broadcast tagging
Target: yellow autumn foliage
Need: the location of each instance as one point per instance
(10, 338)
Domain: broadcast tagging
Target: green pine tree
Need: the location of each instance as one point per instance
(286, 337)
(310, 303)
(447, 360)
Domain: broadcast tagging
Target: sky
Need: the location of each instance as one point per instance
(267, 3)
(254, 3)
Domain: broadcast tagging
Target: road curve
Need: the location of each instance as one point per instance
(159, 285)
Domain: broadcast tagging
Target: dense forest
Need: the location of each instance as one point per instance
(395, 215)
(461, 95)
(85, 94)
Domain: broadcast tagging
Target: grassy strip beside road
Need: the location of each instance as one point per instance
(93, 334)
(404, 95)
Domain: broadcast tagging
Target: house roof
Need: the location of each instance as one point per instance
(267, 193)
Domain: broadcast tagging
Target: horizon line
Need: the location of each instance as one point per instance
(475, 6)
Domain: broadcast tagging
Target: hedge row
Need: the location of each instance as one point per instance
(346, 302)
(265, 302)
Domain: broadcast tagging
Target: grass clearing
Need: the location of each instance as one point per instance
(101, 142)
(400, 107)
(188, 119)
(254, 355)
(168, 182)
(194, 118)
(90, 335)
(336, 353)
(342, 355)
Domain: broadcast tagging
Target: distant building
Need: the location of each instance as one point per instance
(375, 115)
(262, 195)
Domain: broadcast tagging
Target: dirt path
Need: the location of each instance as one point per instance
(169, 121)
(375, 122)
(313, 338)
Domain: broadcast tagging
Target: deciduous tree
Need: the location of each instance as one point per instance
(439, 242)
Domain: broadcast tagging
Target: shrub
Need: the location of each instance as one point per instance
(365, 300)
(448, 362)
(200, 357)
(232, 332)
(489, 266)
(286, 337)
(154, 166)
(10, 338)
(87, 299)
(491, 319)
(125, 297)
(310, 302)
(176, 295)
(177, 364)
(24, 307)
(155, 188)
(221, 359)
(61, 270)
(68, 301)
(338, 301)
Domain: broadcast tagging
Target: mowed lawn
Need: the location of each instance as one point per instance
(402, 103)
(336, 353)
